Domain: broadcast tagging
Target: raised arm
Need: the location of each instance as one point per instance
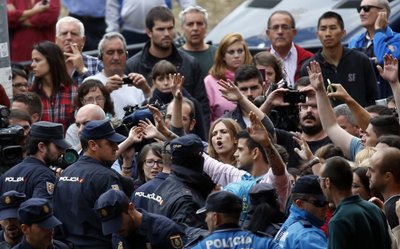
(339, 136)
(390, 72)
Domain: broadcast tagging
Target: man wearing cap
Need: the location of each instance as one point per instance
(9, 204)
(81, 184)
(307, 215)
(222, 216)
(32, 176)
(186, 188)
(37, 224)
(132, 228)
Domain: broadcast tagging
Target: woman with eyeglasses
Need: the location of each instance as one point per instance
(53, 83)
(90, 92)
(149, 163)
(231, 53)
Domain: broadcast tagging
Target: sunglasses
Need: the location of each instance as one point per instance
(367, 8)
(316, 203)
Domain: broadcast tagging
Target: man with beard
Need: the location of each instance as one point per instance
(160, 28)
(81, 184)
(32, 176)
(133, 228)
(384, 177)
(9, 204)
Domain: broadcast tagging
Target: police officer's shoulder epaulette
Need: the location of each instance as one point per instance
(306, 223)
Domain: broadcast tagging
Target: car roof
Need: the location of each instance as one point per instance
(250, 19)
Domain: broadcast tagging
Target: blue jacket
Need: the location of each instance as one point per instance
(31, 177)
(385, 42)
(232, 236)
(301, 230)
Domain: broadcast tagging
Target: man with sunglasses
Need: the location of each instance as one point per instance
(307, 215)
(379, 39)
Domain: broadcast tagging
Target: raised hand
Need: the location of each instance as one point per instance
(230, 91)
(390, 69)
(315, 75)
(257, 130)
(176, 83)
(340, 93)
(149, 130)
(304, 152)
(158, 118)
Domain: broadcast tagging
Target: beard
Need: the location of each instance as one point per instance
(50, 160)
(311, 129)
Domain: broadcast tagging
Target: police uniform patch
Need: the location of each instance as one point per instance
(7, 200)
(46, 209)
(391, 48)
(176, 241)
(103, 212)
(50, 187)
(120, 245)
(115, 186)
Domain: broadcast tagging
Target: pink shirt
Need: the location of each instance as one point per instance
(218, 104)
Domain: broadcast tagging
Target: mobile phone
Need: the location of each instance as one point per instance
(262, 73)
(294, 97)
(126, 80)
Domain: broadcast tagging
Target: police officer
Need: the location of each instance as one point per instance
(81, 184)
(184, 191)
(307, 215)
(33, 176)
(37, 224)
(11, 229)
(135, 228)
(222, 216)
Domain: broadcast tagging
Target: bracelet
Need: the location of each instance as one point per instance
(313, 161)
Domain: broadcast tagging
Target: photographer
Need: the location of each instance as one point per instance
(32, 176)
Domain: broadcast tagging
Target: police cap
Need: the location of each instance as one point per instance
(186, 149)
(109, 208)
(49, 131)
(38, 211)
(222, 202)
(309, 184)
(9, 204)
(101, 129)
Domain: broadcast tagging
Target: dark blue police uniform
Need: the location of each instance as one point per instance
(144, 195)
(155, 230)
(76, 192)
(31, 177)
(55, 245)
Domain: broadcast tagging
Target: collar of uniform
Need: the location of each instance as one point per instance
(34, 160)
(91, 160)
(227, 226)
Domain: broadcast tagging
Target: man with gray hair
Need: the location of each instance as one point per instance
(345, 119)
(378, 40)
(70, 37)
(194, 28)
(124, 90)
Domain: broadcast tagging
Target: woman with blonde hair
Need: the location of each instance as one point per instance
(231, 53)
(222, 142)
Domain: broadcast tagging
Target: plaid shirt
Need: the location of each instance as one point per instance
(58, 108)
(93, 65)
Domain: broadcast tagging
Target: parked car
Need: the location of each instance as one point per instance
(250, 19)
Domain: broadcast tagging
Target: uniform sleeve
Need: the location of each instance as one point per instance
(105, 182)
(184, 210)
(312, 240)
(386, 44)
(47, 18)
(44, 184)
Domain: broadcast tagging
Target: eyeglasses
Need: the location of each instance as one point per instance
(283, 27)
(20, 85)
(316, 203)
(92, 100)
(150, 162)
(367, 8)
(304, 107)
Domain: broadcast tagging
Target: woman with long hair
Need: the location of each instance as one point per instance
(53, 83)
(231, 53)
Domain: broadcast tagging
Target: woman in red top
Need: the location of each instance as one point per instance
(53, 84)
(30, 22)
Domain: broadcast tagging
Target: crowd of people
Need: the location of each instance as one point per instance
(198, 146)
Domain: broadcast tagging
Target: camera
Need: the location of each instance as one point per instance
(294, 97)
(11, 152)
(126, 80)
